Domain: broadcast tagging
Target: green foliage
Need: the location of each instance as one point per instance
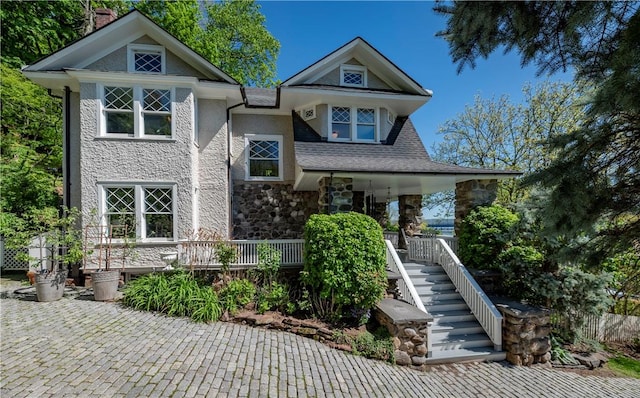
(225, 254)
(625, 283)
(344, 263)
(497, 133)
(54, 232)
(175, 294)
(269, 259)
(594, 177)
(377, 345)
(519, 265)
(236, 294)
(274, 296)
(484, 234)
(560, 354)
(31, 145)
(230, 34)
(626, 366)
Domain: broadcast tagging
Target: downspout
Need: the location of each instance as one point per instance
(66, 150)
(229, 180)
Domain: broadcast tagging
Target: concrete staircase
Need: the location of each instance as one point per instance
(456, 335)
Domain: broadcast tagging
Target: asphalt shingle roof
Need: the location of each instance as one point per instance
(402, 153)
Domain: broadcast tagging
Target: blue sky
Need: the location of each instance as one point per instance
(405, 33)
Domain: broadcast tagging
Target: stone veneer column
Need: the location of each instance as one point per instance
(410, 212)
(471, 194)
(380, 213)
(335, 195)
(525, 333)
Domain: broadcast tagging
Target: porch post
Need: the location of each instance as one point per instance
(410, 217)
(471, 194)
(336, 195)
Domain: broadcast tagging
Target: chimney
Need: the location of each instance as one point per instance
(104, 16)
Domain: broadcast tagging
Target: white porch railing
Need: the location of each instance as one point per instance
(487, 314)
(392, 236)
(407, 290)
(201, 254)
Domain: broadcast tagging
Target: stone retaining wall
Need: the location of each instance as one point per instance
(525, 333)
(409, 328)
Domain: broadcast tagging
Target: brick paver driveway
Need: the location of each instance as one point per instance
(79, 348)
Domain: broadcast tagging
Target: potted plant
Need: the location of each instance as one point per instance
(105, 280)
(54, 243)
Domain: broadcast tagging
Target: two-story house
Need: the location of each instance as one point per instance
(159, 140)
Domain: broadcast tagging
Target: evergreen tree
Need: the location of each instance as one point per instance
(595, 179)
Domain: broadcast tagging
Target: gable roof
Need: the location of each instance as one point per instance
(82, 52)
(366, 54)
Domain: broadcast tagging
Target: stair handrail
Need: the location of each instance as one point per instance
(484, 310)
(407, 290)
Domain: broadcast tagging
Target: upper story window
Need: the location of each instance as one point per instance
(353, 75)
(145, 58)
(354, 124)
(139, 211)
(264, 157)
(137, 112)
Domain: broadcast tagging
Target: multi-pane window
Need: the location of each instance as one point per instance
(146, 58)
(137, 112)
(158, 212)
(156, 112)
(341, 123)
(139, 211)
(264, 159)
(120, 211)
(353, 124)
(118, 105)
(353, 75)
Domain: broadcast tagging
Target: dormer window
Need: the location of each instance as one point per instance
(358, 124)
(144, 58)
(353, 75)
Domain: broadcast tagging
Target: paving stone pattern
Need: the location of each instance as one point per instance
(81, 348)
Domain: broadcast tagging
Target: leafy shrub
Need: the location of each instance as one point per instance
(273, 297)
(484, 234)
(344, 263)
(175, 294)
(519, 265)
(236, 294)
(376, 345)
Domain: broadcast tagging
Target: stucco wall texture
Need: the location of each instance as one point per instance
(109, 160)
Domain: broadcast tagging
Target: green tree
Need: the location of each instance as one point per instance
(230, 34)
(499, 134)
(594, 179)
(31, 146)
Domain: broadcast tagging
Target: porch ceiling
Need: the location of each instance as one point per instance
(391, 185)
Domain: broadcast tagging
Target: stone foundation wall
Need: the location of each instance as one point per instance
(471, 194)
(525, 334)
(271, 211)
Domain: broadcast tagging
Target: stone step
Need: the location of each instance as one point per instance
(477, 354)
(454, 328)
(424, 269)
(441, 342)
(430, 278)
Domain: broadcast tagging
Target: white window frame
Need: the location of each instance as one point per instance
(139, 209)
(263, 137)
(354, 124)
(138, 112)
(345, 68)
(133, 49)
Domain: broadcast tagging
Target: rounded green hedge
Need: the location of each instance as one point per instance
(344, 264)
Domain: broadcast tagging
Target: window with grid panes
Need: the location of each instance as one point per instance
(143, 211)
(137, 111)
(353, 75)
(264, 161)
(353, 124)
(146, 58)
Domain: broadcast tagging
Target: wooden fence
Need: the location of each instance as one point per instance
(607, 327)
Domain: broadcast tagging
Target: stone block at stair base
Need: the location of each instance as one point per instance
(525, 333)
(409, 327)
